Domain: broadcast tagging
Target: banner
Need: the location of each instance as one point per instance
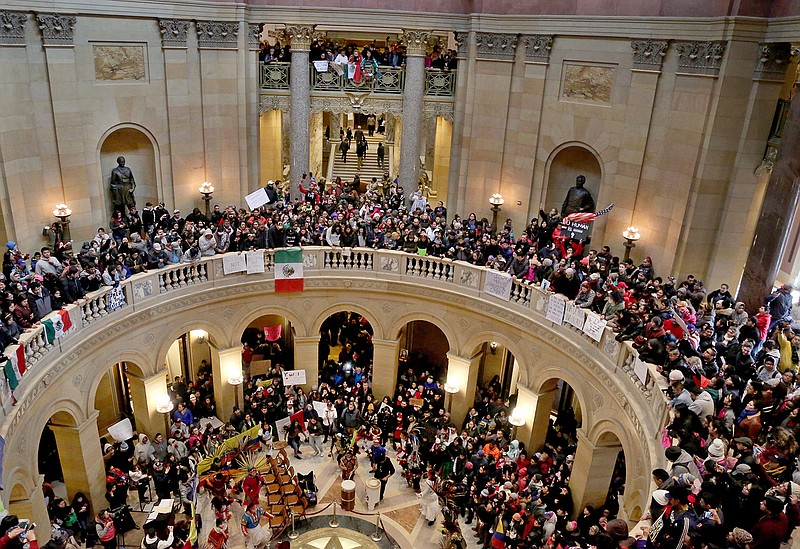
(641, 370)
(498, 284)
(289, 270)
(233, 263)
(555, 309)
(273, 333)
(294, 377)
(574, 315)
(594, 326)
(115, 298)
(255, 261)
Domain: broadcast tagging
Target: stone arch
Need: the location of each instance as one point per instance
(255, 311)
(566, 162)
(397, 324)
(510, 344)
(378, 329)
(134, 360)
(545, 380)
(141, 151)
(216, 335)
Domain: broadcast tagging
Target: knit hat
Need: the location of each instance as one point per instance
(660, 496)
(676, 375)
(10, 244)
(741, 537)
(716, 450)
(617, 529)
(547, 262)
(747, 441)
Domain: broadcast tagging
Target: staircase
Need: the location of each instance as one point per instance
(370, 167)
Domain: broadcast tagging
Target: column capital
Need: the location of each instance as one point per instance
(700, 58)
(217, 34)
(300, 36)
(146, 380)
(416, 41)
(57, 29)
(306, 339)
(254, 36)
(648, 54)
(462, 44)
(386, 343)
(89, 422)
(173, 32)
(537, 48)
(12, 28)
(496, 47)
(773, 60)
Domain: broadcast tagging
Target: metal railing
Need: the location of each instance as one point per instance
(440, 83)
(275, 76)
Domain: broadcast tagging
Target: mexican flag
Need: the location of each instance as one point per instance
(56, 326)
(14, 367)
(289, 270)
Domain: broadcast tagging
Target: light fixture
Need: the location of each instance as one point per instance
(496, 200)
(164, 406)
(631, 235)
(60, 229)
(516, 418)
(62, 212)
(450, 389)
(493, 347)
(206, 189)
(236, 380)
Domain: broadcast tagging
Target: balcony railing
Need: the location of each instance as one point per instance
(275, 76)
(387, 80)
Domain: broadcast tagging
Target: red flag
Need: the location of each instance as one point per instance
(273, 333)
(300, 418)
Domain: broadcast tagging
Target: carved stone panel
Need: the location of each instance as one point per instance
(217, 34)
(588, 83)
(254, 36)
(274, 102)
(773, 59)
(57, 29)
(537, 49)
(115, 62)
(432, 109)
(12, 28)
(496, 46)
(173, 32)
(648, 54)
(416, 41)
(701, 58)
(462, 44)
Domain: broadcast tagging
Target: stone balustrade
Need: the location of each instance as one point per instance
(618, 359)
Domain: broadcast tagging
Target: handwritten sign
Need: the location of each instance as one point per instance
(255, 261)
(640, 369)
(294, 377)
(574, 229)
(574, 315)
(256, 199)
(594, 326)
(545, 285)
(321, 66)
(233, 263)
(498, 284)
(115, 299)
(555, 309)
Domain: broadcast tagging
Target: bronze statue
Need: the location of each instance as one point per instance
(578, 199)
(122, 187)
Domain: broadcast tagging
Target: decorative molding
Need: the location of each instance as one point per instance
(12, 28)
(416, 41)
(432, 109)
(342, 105)
(648, 54)
(462, 44)
(768, 162)
(537, 49)
(498, 47)
(700, 58)
(57, 29)
(274, 103)
(217, 34)
(773, 59)
(254, 36)
(300, 36)
(173, 32)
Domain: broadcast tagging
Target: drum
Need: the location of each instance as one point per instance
(348, 495)
(373, 493)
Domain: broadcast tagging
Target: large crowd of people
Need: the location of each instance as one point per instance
(731, 441)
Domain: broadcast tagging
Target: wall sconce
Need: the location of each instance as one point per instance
(493, 347)
(631, 235)
(516, 420)
(207, 189)
(201, 335)
(497, 201)
(450, 389)
(164, 405)
(61, 229)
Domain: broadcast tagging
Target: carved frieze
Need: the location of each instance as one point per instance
(173, 32)
(217, 34)
(274, 103)
(491, 46)
(254, 36)
(648, 54)
(700, 58)
(300, 36)
(462, 44)
(57, 29)
(773, 59)
(432, 109)
(416, 41)
(342, 105)
(537, 49)
(12, 30)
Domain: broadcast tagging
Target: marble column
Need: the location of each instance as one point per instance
(226, 364)
(146, 394)
(591, 472)
(413, 104)
(777, 213)
(385, 363)
(299, 102)
(463, 373)
(430, 141)
(317, 138)
(81, 458)
(535, 408)
(389, 130)
(306, 357)
(336, 125)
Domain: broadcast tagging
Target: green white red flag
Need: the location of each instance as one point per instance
(289, 270)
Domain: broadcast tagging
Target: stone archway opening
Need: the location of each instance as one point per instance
(567, 164)
(346, 350)
(498, 371)
(423, 353)
(141, 156)
(598, 473)
(113, 398)
(270, 339)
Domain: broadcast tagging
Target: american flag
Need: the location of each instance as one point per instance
(586, 217)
